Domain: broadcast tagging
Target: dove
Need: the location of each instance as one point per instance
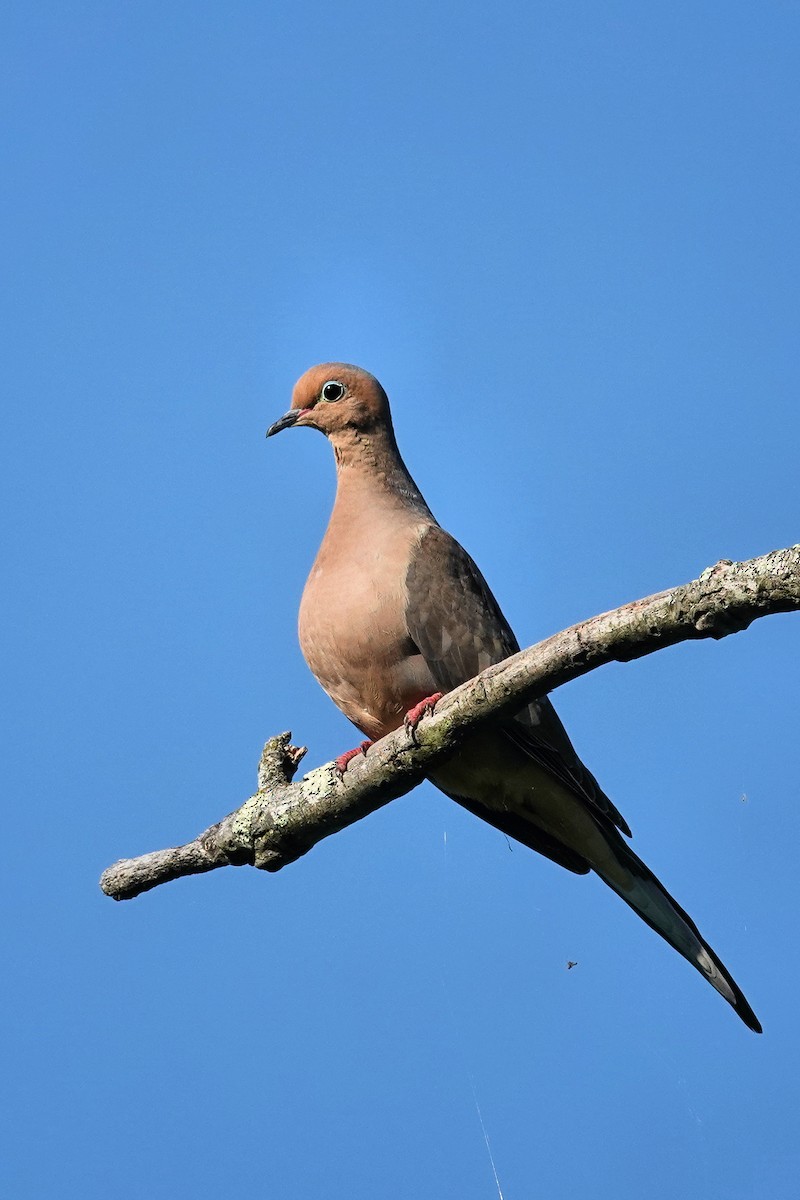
(395, 613)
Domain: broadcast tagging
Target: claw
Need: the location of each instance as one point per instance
(415, 714)
(341, 762)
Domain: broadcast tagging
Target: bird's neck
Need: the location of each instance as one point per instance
(370, 472)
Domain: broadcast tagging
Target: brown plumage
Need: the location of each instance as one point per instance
(394, 610)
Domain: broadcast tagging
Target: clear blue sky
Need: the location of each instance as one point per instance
(564, 235)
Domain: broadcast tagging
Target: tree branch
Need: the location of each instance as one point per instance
(283, 820)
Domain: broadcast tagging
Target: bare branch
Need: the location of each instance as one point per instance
(283, 820)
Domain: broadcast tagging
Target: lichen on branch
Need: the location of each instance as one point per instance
(284, 819)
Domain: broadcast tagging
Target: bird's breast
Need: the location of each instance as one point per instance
(353, 634)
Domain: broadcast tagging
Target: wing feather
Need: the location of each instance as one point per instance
(459, 629)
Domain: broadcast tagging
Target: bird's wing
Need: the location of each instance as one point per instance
(459, 629)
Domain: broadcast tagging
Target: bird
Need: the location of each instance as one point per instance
(395, 613)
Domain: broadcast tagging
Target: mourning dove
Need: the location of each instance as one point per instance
(395, 612)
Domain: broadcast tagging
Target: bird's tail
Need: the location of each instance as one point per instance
(636, 884)
(530, 804)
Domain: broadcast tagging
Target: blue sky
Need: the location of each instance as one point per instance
(565, 238)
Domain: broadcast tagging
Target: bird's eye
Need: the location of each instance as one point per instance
(332, 390)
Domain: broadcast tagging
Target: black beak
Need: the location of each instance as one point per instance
(288, 419)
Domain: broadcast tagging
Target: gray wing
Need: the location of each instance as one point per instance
(458, 627)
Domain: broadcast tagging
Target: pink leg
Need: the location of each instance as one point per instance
(341, 762)
(415, 714)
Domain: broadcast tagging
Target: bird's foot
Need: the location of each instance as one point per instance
(415, 714)
(341, 762)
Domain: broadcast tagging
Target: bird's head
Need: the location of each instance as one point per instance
(335, 398)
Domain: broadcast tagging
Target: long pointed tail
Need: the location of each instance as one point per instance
(530, 804)
(636, 884)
